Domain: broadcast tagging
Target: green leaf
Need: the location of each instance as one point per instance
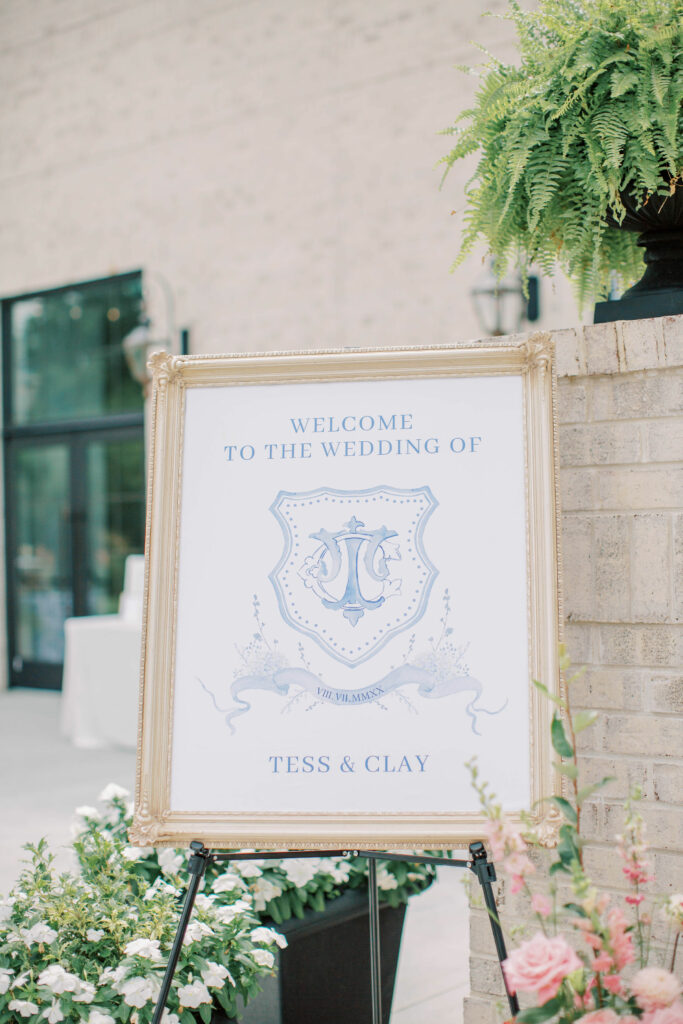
(546, 693)
(222, 995)
(558, 866)
(584, 793)
(582, 719)
(567, 849)
(538, 1014)
(318, 900)
(560, 742)
(565, 807)
(576, 908)
(569, 769)
(205, 1012)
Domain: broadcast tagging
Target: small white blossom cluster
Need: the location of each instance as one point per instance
(275, 889)
(76, 950)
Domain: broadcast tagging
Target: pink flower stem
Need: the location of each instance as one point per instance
(575, 781)
(528, 894)
(675, 950)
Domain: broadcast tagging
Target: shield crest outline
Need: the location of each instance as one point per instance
(316, 559)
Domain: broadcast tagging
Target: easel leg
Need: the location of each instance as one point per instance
(375, 948)
(196, 866)
(486, 873)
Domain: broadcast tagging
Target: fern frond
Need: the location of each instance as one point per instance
(594, 109)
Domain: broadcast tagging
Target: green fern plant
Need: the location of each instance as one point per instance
(592, 113)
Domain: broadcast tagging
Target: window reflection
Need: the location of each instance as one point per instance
(66, 353)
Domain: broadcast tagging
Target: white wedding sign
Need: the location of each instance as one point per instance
(352, 577)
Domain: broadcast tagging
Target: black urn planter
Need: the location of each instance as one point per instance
(660, 290)
(323, 975)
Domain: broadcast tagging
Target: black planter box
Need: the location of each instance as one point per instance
(640, 306)
(323, 975)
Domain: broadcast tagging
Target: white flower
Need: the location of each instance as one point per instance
(88, 812)
(115, 975)
(160, 886)
(385, 880)
(23, 1007)
(227, 914)
(6, 909)
(148, 948)
(94, 934)
(85, 993)
(112, 792)
(268, 935)
(673, 909)
(170, 862)
(58, 980)
(300, 872)
(338, 870)
(38, 933)
(166, 1018)
(133, 853)
(263, 957)
(264, 891)
(227, 882)
(214, 974)
(97, 1017)
(191, 996)
(5, 975)
(196, 930)
(20, 980)
(204, 902)
(249, 869)
(138, 991)
(54, 1014)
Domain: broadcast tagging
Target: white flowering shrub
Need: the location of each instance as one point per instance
(93, 949)
(277, 889)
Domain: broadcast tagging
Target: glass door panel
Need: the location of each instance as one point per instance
(41, 560)
(115, 517)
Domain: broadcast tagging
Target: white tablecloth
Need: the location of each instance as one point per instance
(101, 678)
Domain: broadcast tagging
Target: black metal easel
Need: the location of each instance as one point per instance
(478, 864)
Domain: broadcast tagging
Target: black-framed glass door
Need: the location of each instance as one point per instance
(74, 465)
(78, 512)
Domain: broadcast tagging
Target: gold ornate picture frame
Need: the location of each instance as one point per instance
(351, 579)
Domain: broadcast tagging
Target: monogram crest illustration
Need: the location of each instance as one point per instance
(354, 572)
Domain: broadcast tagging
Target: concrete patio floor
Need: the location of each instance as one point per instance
(43, 778)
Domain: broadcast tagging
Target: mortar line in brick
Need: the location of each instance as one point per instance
(671, 561)
(597, 513)
(617, 421)
(645, 713)
(574, 620)
(649, 760)
(613, 419)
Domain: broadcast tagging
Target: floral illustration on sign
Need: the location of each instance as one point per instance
(437, 671)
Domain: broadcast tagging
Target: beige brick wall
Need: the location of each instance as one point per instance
(275, 161)
(620, 410)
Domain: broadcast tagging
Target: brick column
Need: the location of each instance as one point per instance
(620, 410)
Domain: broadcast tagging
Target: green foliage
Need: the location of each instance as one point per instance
(93, 950)
(594, 110)
(277, 889)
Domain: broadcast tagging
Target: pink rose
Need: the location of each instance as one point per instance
(605, 1016)
(655, 988)
(667, 1015)
(540, 965)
